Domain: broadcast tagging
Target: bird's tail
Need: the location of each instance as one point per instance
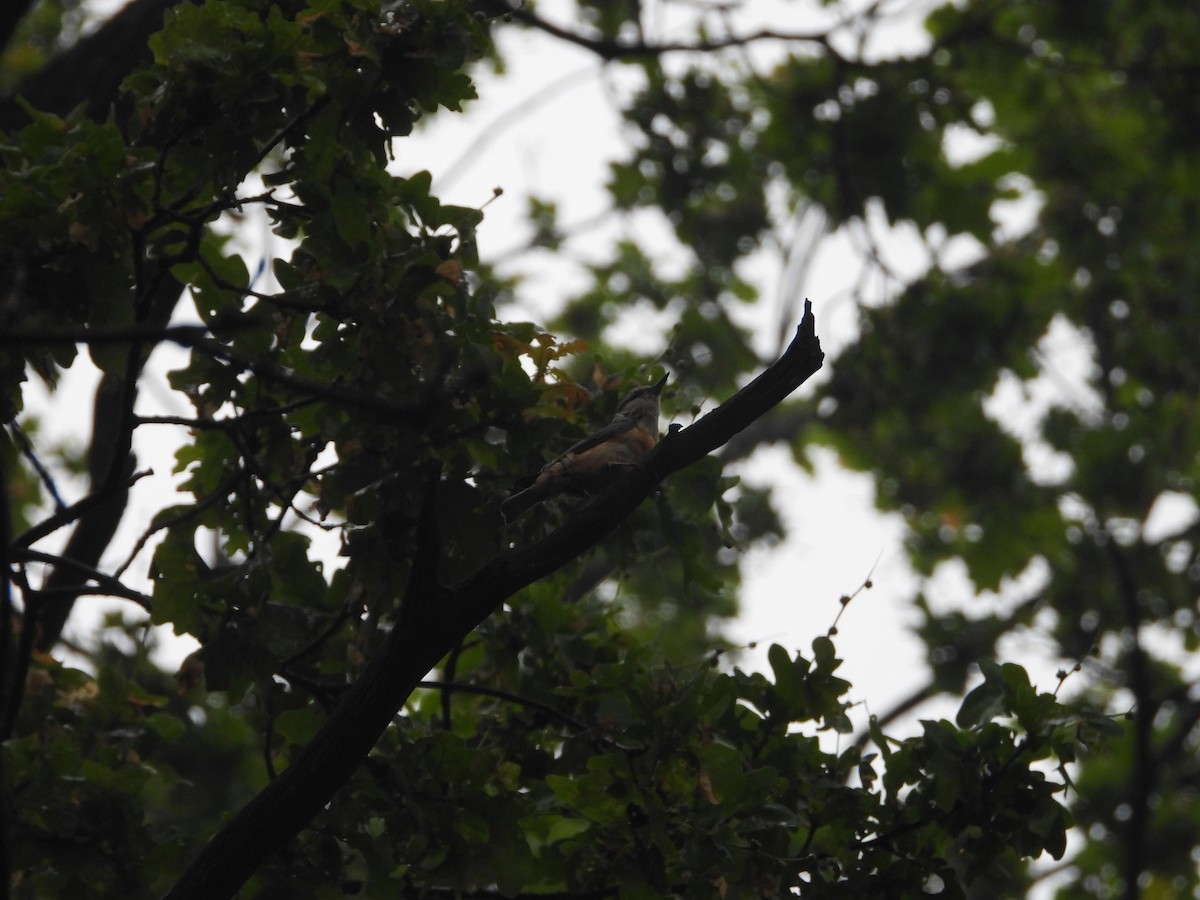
(520, 502)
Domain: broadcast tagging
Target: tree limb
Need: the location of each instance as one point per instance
(433, 618)
(90, 71)
(609, 49)
(112, 586)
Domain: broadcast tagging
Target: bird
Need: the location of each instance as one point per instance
(596, 460)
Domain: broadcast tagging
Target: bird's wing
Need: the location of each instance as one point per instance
(611, 430)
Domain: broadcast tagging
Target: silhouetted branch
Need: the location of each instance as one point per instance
(450, 687)
(66, 516)
(43, 473)
(91, 71)
(433, 618)
(617, 48)
(191, 512)
(112, 586)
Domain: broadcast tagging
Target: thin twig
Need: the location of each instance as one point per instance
(112, 585)
(70, 514)
(43, 473)
(241, 420)
(613, 49)
(448, 687)
(187, 513)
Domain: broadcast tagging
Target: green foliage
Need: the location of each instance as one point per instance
(695, 164)
(1084, 110)
(111, 775)
(588, 739)
(676, 780)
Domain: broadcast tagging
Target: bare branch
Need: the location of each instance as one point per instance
(227, 423)
(614, 49)
(43, 473)
(68, 515)
(222, 491)
(449, 687)
(112, 585)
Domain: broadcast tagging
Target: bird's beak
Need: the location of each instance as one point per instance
(658, 385)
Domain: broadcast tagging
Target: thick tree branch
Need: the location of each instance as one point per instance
(433, 618)
(91, 71)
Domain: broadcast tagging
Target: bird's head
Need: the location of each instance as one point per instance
(642, 402)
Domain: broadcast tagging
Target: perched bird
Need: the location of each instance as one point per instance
(596, 460)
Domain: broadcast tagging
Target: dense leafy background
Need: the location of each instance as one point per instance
(592, 741)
